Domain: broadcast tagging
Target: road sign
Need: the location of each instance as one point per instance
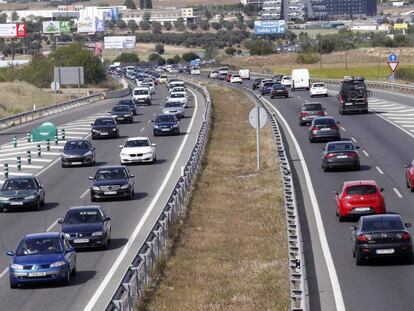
(257, 118)
(393, 65)
(55, 86)
(392, 58)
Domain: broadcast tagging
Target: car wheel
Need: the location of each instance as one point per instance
(301, 123)
(358, 167)
(311, 140)
(38, 205)
(287, 96)
(412, 189)
(326, 95)
(66, 281)
(93, 199)
(311, 95)
(43, 202)
(131, 195)
(74, 270)
(154, 159)
(325, 168)
(360, 261)
(13, 285)
(341, 219)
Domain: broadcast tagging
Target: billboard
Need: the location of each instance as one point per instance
(91, 26)
(51, 27)
(12, 30)
(68, 75)
(269, 27)
(119, 42)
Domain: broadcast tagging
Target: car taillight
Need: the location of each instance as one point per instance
(352, 154)
(334, 127)
(304, 113)
(341, 99)
(364, 237)
(314, 128)
(329, 155)
(405, 236)
(321, 113)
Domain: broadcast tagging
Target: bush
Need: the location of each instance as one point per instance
(307, 58)
(159, 48)
(127, 58)
(156, 58)
(188, 57)
(259, 47)
(230, 51)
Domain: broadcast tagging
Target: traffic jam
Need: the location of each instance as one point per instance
(376, 234)
(51, 256)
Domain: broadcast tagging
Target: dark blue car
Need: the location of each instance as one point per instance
(42, 257)
(267, 88)
(166, 124)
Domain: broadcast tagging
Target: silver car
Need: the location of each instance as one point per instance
(175, 108)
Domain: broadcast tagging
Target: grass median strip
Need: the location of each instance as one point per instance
(231, 250)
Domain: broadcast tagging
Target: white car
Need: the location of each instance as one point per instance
(138, 149)
(141, 95)
(195, 70)
(175, 83)
(236, 79)
(175, 108)
(318, 89)
(179, 89)
(150, 85)
(179, 97)
(286, 80)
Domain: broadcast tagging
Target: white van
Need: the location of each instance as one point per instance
(244, 74)
(300, 79)
(195, 70)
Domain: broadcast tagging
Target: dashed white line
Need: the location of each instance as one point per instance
(84, 193)
(366, 153)
(3, 273)
(52, 225)
(142, 129)
(343, 129)
(149, 121)
(353, 139)
(397, 193)
(379, 170)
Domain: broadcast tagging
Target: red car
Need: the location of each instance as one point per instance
(361, 197)
(228, 77)
(409, 175)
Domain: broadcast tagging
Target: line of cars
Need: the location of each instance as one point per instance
(51, 256)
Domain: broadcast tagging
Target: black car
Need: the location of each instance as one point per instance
(122, 114)
(324, 128)
(353, 95)
(279, 90)
(78, 152)
(112, 182)
(381, 236)
(310, 111)
(166, 124)
(130, 103)
(256, 83)
(20, 192)
(340, 154)
(105, 128)
(87, 226)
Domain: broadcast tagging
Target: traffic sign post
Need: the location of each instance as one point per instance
(393, 63)
(258, 119)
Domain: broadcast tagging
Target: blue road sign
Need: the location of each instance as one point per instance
(392, 58)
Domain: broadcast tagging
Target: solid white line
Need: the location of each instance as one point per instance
(342, 128)
(52, 225)
(353, 139)
(366, 153)
(336, 287)
(84, 194)
(121, 256)
(379, 170)
(397, 193)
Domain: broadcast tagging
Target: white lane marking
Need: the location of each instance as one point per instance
(379, 170)
(343, 129)
(121, 256)
(387, 119)
(142, 129)
(154, 114)
(52, 225)
(336, 287)
(84, 193)
(353, 139)
(397, 193)
(366, 153)
(149, 121)
(3, 273)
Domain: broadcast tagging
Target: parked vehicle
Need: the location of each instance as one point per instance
(244, 74)
(300, 79)
(318, 89)
(310, 111)
(340, 154)
(279, 90)
(105, 128)
(138, 150)
(78, 152)
(324, 128)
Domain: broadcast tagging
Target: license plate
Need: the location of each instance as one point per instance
(120, 118)
(342, 157)
(110, 192)
(165, 130)
(325, 129)
(362, 209)
(104, 134)
(36, 274)
(385, 251)
(76, 163)
(348, 104)
(16, 203)
(81, 241)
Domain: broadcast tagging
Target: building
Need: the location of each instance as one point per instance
(189, 15)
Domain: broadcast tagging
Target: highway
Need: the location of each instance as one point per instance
(69, 187)
(385, 137)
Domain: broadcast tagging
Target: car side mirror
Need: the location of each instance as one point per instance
(10, 253)
(357, 147)
(152, 121)
(352, 228)
(120, 146)
(107, 218)
(382, 189)
(323, 148)
(91, 124)
(406, 166)
(132, 175)
(407, 225)
(324, 108)
(93, 148)
(90, 178)
(60, 221)
(60, 150)
(338, 122)
(335, 192)
(153, 145)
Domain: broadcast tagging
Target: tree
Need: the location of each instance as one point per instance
(3, 18)
(130, 4)
(207, 14)
(144, 25)
(168, 26)
(147, 16)
(132, 24)
(239, 17)
(228, 25)
(156, 27)
(121, 24)
(259, 47)
(230, 50)
(156, 58)
(179, 24)
(171, 61)
(204, 25)
(188, 57)
(159, 48)
(192, 26)
(216, 25)
(14, 16)
(127, 58)
(177, 58)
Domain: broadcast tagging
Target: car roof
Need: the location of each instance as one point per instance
(20, 177)
(137, 138)
(87, 207)
(42, 235)
(111, 166)
(311, 103)
(359, 182)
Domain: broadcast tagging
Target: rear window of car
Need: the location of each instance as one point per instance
(324, 121)
(312, 107)
(319, 85)
(279, 86)
(361, 190)
(382, 224)
(141, 92)
(341, 147)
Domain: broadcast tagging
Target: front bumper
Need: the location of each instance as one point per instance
(37, 276)
(120, 193)
(166, 131)
(137, 159)
(20, 203)
(104, 134)
(71, 161)
(87, 241)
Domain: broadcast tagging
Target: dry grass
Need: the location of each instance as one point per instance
(232, 251)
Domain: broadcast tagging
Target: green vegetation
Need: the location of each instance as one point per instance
(260, 47)
(369, 72)
(156, 59)
(127, 58)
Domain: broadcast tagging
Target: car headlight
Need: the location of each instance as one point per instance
(57, 264)
(175, 125)
(30, 197)
(89, 153)
(156, 126)
(16, 266)
(96, 188)
(95, 131)
(148, 153)
(67, 235)
(98, 233)
(4, 198)
(113, 130)
(126, 186)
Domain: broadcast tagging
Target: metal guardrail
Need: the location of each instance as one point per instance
(138, 275)
(295, 242)
(28, 116)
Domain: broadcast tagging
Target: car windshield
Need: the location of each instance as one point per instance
(178, 89)
(319, 85)
(141, 92)
(120, 109)
(177, 95)
(173, 105)
(137, 143)
(104, 122)
(126, 102)
(361, 190)
(165, 118)
(382, 224)
(76, 145)
(324, 121)
(38, 246)
(340, 147)
(19, 184)
(312, 107)
(83, 216)
(111, 173)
